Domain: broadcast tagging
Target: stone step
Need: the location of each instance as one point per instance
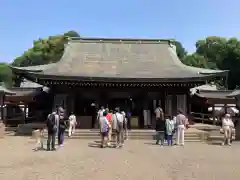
(150, 137)
(129, 133)
(130, 138)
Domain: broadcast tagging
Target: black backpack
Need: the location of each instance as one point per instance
(51, 123)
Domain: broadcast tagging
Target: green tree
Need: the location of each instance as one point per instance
(181, 51)
(45, 50)
(195, 60)
(223, 54)
(5, 74)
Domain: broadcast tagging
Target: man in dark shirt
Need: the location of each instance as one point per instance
(160, 128)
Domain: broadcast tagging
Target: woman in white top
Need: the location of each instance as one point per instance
(72, 124)
(227, 126)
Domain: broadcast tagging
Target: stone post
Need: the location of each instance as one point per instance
(2, 129)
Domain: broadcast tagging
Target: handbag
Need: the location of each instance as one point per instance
(221, 131)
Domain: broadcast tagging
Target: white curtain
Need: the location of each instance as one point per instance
(168, 105)
(182, 102)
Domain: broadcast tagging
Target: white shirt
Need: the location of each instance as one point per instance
(72, 119)
(118, 117)
(227, 122)
(100, 113)
(157, 112)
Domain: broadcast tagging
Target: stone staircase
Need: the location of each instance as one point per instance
(191, 135)
(132, 135)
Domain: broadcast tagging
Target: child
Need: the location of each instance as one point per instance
(170, 129)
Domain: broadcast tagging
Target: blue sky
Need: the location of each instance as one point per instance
(22, 21)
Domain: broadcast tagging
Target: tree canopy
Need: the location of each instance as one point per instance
(5, 74)
(212, 52)
(44, 50)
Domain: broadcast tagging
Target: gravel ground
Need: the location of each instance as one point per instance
(140, 160)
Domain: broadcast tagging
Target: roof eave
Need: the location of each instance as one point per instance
(40, 75)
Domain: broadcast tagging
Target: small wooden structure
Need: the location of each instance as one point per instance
(3, 93)
(212, 98)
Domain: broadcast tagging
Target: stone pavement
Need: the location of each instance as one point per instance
(139, 159)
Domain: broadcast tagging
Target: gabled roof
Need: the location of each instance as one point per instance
(208, 87)
(38, 68)
(234, 93)
(125, 59)
(217, 94)
(5, 90)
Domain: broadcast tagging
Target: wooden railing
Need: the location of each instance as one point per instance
(201, 117)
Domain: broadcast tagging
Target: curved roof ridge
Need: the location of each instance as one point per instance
(119, 40)
(37, 68)
(192, 68)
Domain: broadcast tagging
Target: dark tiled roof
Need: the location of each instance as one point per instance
(18, 91)
(218, 94)
(123, 58)
(5, 90)
(38, 68)
(234, 93)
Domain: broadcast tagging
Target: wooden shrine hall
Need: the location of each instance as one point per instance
(134, 74)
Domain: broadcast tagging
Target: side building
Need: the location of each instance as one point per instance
(135, 74)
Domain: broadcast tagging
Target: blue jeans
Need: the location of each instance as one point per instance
(60, 136)
(169, 139)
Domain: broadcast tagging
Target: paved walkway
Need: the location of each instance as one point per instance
(140, 160)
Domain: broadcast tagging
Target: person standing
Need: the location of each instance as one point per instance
(170, 129)
(129, 117)
(52, 128)
(104, 127)
(72, 124)
(181, 124)
(93, 114)
(109, 118)
(160, 130)
(118, 121)
(100, 113)
(125, 125)
(62, 126)
(227, 126)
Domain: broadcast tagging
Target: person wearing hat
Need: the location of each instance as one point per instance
(227, 126)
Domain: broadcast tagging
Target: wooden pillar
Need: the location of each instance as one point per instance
(24, 114)
(213, 115)
(2, 105)
(163, 99)
(189, 104)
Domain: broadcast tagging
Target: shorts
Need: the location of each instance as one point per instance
(104, 134)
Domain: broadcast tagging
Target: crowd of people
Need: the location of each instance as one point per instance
(113, 126)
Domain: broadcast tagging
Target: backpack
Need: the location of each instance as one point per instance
(52, 122)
